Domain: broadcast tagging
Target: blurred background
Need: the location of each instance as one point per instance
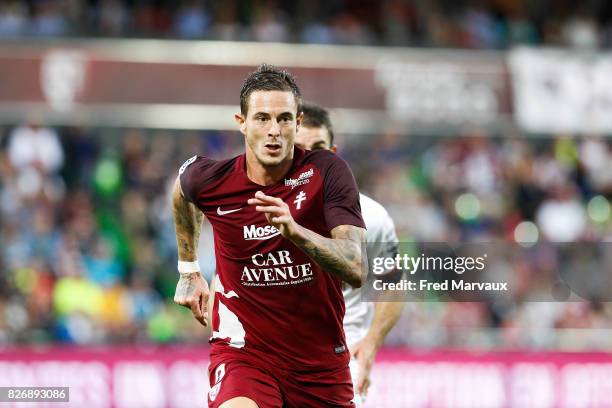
(468, 120)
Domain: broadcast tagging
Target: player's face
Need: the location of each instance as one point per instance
(270, 126)
(313, 138)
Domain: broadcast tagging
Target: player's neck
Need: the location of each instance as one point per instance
(266, 175)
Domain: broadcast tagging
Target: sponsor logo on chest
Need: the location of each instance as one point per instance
(303, 178)
(259, 233)
(275, 269)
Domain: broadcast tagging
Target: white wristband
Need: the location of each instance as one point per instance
(188, 267)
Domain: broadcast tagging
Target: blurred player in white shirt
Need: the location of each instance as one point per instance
(365, 324)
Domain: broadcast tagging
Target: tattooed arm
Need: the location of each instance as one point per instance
(341, 255)
(191, 289)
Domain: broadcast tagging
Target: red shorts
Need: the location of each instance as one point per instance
(273, 387)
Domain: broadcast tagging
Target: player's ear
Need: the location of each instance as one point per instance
(241, 121)
(333, 149)
(298, 120)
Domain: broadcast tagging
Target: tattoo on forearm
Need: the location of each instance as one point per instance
(341, 255)
(188, 224)
(187, 285)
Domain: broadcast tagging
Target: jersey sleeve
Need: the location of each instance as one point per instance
(384, 237)
(388, 247)
(192, 176)
(341, 196)
(381, 238)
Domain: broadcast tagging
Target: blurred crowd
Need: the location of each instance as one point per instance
(88, 252)
(535, 193)
(440, 23)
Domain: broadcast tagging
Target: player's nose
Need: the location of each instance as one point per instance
(274, 129)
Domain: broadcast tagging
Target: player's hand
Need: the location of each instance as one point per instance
(277, 213)
(192, 292)
(364, 351)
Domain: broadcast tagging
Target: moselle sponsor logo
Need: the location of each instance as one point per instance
(303, 178)
(275, 269)
(260, 233)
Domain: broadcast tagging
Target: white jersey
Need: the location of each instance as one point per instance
(380, 234)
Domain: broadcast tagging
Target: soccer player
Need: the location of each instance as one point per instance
(365, 325)
(287, 232)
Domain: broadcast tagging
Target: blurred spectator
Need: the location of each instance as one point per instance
(596, 156)
(48, 19)
(111, 17)
(520, 29)
(84, 152)
(317, 33)
(37, 147)
(562, 217)
(192, 20)
(348, 29)
(13, 18)
(148, 19)
(581, 30)
(226, 26)
(400, 22)
(36, 157)
(101, 264)
(269, 25)
(482, 27)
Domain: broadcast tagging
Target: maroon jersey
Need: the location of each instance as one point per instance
(272, 300)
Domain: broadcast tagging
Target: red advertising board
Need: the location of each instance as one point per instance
(188, 84)
(177, 377)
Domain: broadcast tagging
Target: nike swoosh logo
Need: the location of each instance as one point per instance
(221, 212)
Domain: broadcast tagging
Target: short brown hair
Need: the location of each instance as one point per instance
(316, 116)
(268, 78)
